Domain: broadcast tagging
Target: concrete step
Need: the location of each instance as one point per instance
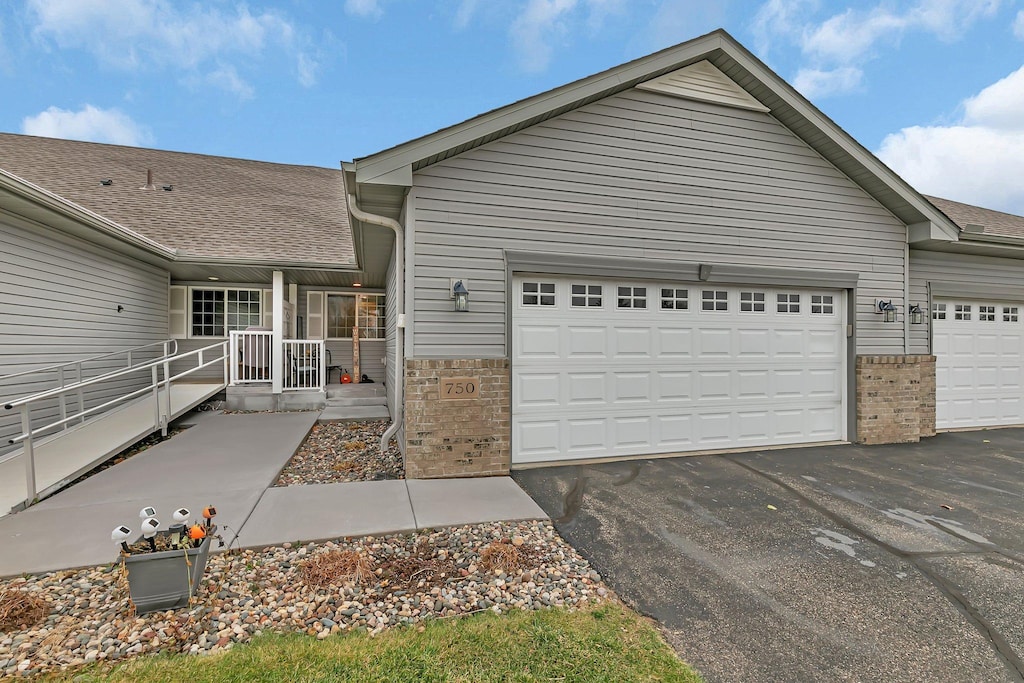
(347, 401)
(353, 413)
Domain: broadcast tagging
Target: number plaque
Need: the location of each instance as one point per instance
(460, 387)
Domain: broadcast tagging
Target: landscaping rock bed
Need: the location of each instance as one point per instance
(370, 583)
(343, 451)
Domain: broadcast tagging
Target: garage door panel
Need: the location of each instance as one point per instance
(587, 342)
(591, 383)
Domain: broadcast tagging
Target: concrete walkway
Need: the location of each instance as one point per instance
(231, 461)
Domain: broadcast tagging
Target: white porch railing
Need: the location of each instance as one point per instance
(305, 365)
(250, 354)
(204, 357)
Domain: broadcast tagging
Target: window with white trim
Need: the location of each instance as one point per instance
(987, 313)
(370, 316)
(938, 311)
(346, 311)
(822, 304)
(1010, 314)
(714, 300)
(675, 299)
(752, 302)
(788, 303)
(217, 311)
(341, 315)
(961, 311)
(632, 297)
(538, 293)
(586, 296)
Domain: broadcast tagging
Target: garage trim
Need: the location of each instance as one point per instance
(968, 290)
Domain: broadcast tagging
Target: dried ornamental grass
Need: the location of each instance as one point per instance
(21, 610)
(336, 567)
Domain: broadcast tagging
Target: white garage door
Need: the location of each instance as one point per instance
(979, 350)
(606, 368)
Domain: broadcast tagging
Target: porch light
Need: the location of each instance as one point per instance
(916, 316)
(888, 310)
(461, 295)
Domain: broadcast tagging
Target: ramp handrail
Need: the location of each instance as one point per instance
(170, 348)
(161, 417)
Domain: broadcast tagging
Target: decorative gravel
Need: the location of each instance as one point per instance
(414, 577)
(343, 451)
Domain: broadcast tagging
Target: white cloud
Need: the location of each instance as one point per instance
(89, 123)
(849, 39)
(227, 78)
(368, 9)
(464, 14)
(979, 160)
(812, 83)
(1018, 25)
(161, 34)
(308, 69)
(541, 24)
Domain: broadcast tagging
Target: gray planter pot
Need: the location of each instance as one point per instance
(162, 581)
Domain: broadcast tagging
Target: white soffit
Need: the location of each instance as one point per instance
(703, 81)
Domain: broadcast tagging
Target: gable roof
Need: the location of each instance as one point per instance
(218, 208)
(396, 165)
(989, 221)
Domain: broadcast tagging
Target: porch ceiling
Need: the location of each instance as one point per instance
(198, 272)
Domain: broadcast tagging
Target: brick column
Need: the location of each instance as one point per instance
(461, 437)
(895, 398)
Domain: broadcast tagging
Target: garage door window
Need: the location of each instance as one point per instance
(586, 296)
(822, 304)
(538, 293)
(632, 297)
(987, 313)
(675, 299)
(788, 303)
(938, 311)
(961, 311)
(752, 302)
(714, 300)
(1010, 314)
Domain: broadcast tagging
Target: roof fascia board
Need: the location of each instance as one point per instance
(925, 231)
(845, 141)
(263, 263)
(399, 176)
(19, 186)
(486, 124)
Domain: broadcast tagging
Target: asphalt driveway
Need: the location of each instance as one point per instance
(845, 563)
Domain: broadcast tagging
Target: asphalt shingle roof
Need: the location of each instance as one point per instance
(993, 222)
(219, 207)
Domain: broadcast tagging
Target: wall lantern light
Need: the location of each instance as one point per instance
(916, 316)
(887, 309)
(461, 296)
(704, 272)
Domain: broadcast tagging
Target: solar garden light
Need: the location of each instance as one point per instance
(209, 512)
(120, 535)
(177, 530)
(149, 527)
(147, 512)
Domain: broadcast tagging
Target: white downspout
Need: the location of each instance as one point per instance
(385, 222)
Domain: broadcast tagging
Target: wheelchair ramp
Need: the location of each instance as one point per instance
(60, 458)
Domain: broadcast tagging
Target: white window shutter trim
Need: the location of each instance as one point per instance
(267, 309)
(315, 315)
(177, 312)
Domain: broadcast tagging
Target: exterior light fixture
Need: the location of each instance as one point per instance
(704, 272)
(461, 296)
(887, 309)
(212, 278)
(916, 316)
(357, 284)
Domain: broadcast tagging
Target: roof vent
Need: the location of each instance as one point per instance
(167, 188)
(106, 181)
(974, 227)
(149, 181)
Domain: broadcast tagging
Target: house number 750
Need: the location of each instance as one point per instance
(460, 387)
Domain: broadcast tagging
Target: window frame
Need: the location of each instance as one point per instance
(380, 330)
(540, 294)
(675, 299)
(714, 300)
(826, 307)
(637, 293)
(225, 331)
(753, 302)
(588, 295)
(785, 299)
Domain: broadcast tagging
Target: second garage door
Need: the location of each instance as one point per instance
(979, 353)
(618, 368)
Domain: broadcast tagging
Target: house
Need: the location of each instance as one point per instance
(678, 255)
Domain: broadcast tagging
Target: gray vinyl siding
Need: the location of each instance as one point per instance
(989, 272)
(642, 175)
(58, 303)
(392, 371)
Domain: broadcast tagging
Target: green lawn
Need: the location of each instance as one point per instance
(604, 643)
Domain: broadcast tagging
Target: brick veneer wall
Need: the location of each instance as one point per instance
(895, 398)
(457, 438)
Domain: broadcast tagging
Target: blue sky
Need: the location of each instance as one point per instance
(935, 87)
